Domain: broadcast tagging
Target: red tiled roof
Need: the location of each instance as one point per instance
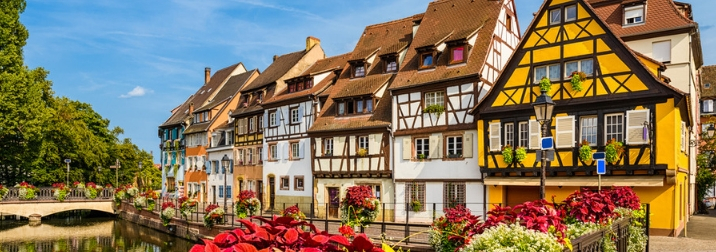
(449, 21)
(661, 15)
(230, 89)
(276, 70)
(362, 86)
(332, 64)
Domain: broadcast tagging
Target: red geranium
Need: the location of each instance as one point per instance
(346, 231)
(210, 207)
(168, 204)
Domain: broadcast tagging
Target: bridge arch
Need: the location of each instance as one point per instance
(43, 209)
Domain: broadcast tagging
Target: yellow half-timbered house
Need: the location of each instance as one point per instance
(624, 99)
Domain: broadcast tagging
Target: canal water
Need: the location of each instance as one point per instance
(85, 231)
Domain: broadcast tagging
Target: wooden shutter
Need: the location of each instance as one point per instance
(265, 119)
(338, 146)
(564, 137)
(495, 143)
(684, 136)
(319, 147)
(407, 148)
(264, 153)
(278, 117)
(467, 145)
(374, 143)
(434, 142)
(286, 155)
(301, 148)
(635, 126)
(535, 134)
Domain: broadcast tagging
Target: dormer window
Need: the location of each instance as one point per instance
(427, 60)
(355, 106)
(259, 96)
(457, 54)
(299, 85)
(391, 64)
(570, 13)
(359, 71)
(309, 83)
(634, 15)
(555, 16)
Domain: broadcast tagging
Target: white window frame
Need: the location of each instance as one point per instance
(523, 137)
(551, 19)
(608, 136)
(273, 152)
(707, 106)
(509, 129)
(547, 74)
(250, 154)
(566, 12)
(639, 11)
(422, 146)
(295, 150)
(295, 117)
(359, 71)
(586, 129)
(432, 98)
(328, 145)
(456, 147)
(568, 73)
(252, 126)
(272, 118)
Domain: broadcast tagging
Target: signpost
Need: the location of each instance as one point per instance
(547, 143)
(116, 172)
(601, 166)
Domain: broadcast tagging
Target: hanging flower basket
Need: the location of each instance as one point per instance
(520, 154)
(359, 207)
(168, 212)
(187, 206)
(26, 191)
(60, 191)
(545, 84)
(362, 152)
(577, 79)
(435, 109)
(507, 154)
(248, 204)
(613, 151)
(585, 152)
(213, 215)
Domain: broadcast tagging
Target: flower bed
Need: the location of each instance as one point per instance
(359, 207)
(247, 204)
(294, 212)
(60, 191)
(26, 191)
(91, 190)
(213, 214)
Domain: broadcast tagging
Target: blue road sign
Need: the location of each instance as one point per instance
(67, 160)
(601, 167)
(598, 155)
(547, 143)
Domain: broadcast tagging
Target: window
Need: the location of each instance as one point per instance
(298, 183)
(586, 66)
(295, 150)
(422, 148)
(359, 71)
(415, 193)
(588, 129)
(250, 154)
(570, 13)
(228, 191)
(524, 134)
(341, 108)
(707, 106)
(508, 23)
(272, 119)
(614, 127)
(230, 137)
(634, 15)
(457, 54)
(328, 146)
(240, 157)
(453, 194)
(252, 125)
(510, 134)
(375, 189)
(260, 154)
(391, 65)
(221, 191)
(363, 142)
(550, 71)
(434, 98)
(426, 60)
(292, 88)
(294, 115)
(273, 152)
(662, 51)
(284, 182)
(555, 16)
(261, 122)
(707, 85)
(454, 146)
(309, 83)
(369, 105)
(684, 137)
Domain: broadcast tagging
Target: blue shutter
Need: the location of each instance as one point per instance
(279, 116)
(228, 191)
(221, 191)
(231, 166)
(265, 119)
(208, 166)
(208, 170)
(300, 148)
(300, 113)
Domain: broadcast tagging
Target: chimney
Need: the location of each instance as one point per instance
(312, 41)
(191, 108)
(275, 57)
(207, 75)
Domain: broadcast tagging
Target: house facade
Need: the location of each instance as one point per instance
(351, 137)
(256, 169)
(451, 64)
(665, 31)
(624, 100)
(207, 113)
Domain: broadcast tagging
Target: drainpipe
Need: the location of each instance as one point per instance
(392, 167)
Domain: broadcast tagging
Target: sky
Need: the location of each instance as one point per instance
(135, 60)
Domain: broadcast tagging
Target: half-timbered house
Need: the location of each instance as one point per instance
(624, 107)
(171, 147)
(459, 49)
(351, 137)
(250, 149)
(290, 114)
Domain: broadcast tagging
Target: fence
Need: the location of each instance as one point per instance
(47, 194)
(593, 241)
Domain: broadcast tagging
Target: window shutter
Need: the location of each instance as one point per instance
(286, 155)
(300, 113)
(374, 143)
(279, 116)
(535, 134)
(301, 148)
(407, 148)
(231, 166)
(565, 132)
(264, 153)
(495, 144)
(266, 119)
(467, 145)
(635, 126)
(684, 141)
(319, 146)
(338, 146)
(434, 141)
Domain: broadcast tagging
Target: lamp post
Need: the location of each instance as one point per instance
(225, 163)
(140, 174)
(67, 161)
(543, 106)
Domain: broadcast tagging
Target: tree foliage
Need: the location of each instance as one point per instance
(38, 130)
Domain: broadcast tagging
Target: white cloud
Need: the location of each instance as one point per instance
(137, 91)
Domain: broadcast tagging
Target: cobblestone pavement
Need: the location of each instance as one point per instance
(700, 235)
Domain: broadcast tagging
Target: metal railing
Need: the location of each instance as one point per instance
(47, 194)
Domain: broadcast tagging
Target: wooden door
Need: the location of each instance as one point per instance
(260, 191)
(521, 194)
(334, 201)
(213, 192)
(272, 191)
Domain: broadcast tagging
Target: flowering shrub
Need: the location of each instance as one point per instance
(60, 191)
(346, 231)
(624, 197)
(3, 192)
(452, 230)
(120, 193)
(247, 204)
(513, 237)
(132, 191)
(359, 207)
(168, 212)
(140, 202)
(91, 190)
(538, 215)
(284, 234)
(293, 212)
(588, 206)
(26, 191)
(213, 215)
(187, 206)
(151, 197)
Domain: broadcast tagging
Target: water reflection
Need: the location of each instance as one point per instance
(85, 234)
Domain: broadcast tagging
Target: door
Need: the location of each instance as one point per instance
(203, 192)
(213, 193)
(334, 201)
(272, 191)
(260, 190)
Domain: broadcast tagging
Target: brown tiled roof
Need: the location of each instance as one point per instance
(197, 127)
(661, 15)
(333, 64)
(448, 21)
(179, 113)
(276, 70)
(254, 105)
(708, 75)
(230, 89)
(382, 38)
(361, 86)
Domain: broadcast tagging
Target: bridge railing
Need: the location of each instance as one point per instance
(48, 194)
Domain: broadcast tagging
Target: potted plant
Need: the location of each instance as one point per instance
(359, 207)
(3, 192)
(140, 201)
(151, 197)
(435, 109)
(613, 151)
(585, 151)
(577, 79)
(416, 205)
(187, 206)
(213, 215)
(507, 155)
(454, 155)
(362, 152)
(26, 191)
(168, 212)
(421, 156)
(91, 190)
(520, 154)
(60, 191)
(294, 212)
(545, 84)
(248, 204)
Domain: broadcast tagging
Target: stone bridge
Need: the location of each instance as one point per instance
(45, 204)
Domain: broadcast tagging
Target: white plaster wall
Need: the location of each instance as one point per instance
(435, 168)
(217, 178)
(291, 168)
(306, 120)
(374, 141)
(474, 200)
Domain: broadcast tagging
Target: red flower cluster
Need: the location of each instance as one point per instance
(76, 183)
(168, 204)
(210, 207)
(624, 196)
(26, 185)
(283, 234)
(60, 186)
(346, 231)
(91, 185)
(588, 206)
(150, 194)
(457, 226)
(357, 195)
(182, 199)
(246, 194)
(1, 187)
(291, 210)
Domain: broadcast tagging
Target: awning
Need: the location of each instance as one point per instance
(637, 180)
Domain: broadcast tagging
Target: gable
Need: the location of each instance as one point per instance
(556, 49)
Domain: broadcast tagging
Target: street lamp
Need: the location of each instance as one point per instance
(225, 163)
(543, 106)
(710, 131)
(140, 174)
(67, 161)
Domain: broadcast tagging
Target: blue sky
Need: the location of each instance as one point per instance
(136, 60)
